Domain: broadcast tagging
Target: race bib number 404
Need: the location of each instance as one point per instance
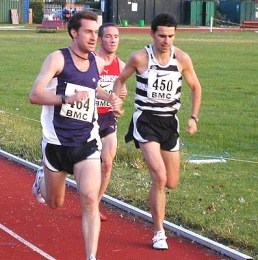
(81, 110)
(160, 85)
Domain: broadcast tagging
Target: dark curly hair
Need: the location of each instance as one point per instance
(163, 19)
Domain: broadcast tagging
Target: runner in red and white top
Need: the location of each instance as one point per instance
(108, 39)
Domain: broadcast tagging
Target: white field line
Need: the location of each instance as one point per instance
(25, 242)
(202, 161)
(217, 247)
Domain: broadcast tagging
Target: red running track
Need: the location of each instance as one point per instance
(29, 230)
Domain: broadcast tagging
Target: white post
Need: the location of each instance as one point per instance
(211, 24)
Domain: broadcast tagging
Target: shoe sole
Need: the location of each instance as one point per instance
(103, 217)
(158, 248)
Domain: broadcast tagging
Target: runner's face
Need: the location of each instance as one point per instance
(87, 35)
(110, 40)
(164, 37)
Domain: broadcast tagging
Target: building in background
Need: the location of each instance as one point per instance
(19, 7)
(187, 12)
(141, 12)
(236, 11)
(199, 12)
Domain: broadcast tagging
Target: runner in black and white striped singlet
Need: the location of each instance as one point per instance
(157, 96)
(158, 89)
(154, 127)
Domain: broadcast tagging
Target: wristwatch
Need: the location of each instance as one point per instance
(196, 119)
(64, 99)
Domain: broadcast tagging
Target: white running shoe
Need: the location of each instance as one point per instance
(159, 241)
(36, 187)
(92, 258)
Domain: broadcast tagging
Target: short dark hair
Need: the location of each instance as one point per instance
(75, 20)
(103, 26)
(163, 19)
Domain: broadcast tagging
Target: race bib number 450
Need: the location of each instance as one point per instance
(81, 110)
(160, 85)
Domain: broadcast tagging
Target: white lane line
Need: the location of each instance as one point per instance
(25, 242)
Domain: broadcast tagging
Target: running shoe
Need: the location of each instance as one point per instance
(102, 217)
(36, 187)
(159, 241)
(92, 258)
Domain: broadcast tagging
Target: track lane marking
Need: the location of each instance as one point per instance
(27, 243)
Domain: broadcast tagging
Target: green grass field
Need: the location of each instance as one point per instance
(218, 200)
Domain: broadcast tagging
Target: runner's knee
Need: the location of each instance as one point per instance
(89, 199)
(55, 203)
(106, 167)
(172, 184)
(160, 180)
